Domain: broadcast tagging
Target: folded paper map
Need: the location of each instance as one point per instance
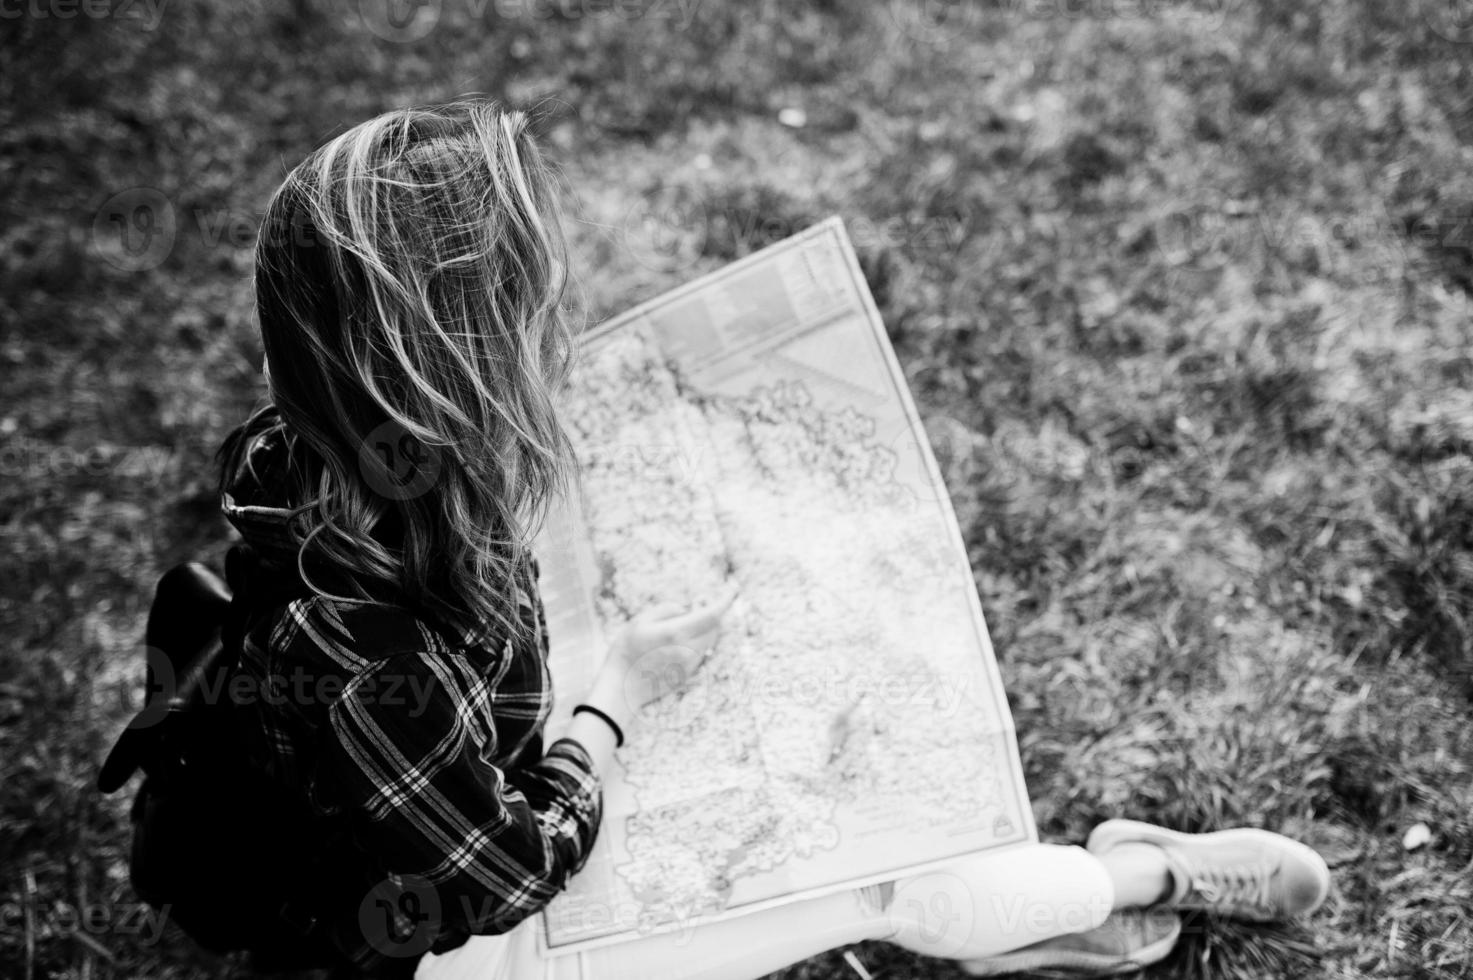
(754, 428)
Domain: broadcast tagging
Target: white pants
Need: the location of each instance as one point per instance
(980, 906)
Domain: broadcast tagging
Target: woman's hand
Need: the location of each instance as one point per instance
(661, 650)
(656, 653)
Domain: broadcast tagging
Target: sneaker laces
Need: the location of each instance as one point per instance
(1241, 886)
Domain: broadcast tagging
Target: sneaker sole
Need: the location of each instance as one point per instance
(1112, 833)
(1081, 963)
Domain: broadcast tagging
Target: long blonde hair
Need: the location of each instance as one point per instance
(410, 276)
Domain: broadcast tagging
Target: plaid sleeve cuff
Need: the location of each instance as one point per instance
(568, 769)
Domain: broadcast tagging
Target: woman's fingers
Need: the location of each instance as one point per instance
(663, 610)
(665, 646)
(665, 616)
(690, 625)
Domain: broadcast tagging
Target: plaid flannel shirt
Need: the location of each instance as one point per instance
(427, 745)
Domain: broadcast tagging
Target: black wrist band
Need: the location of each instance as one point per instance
(618, 732)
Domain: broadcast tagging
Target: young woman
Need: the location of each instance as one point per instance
(410, 278)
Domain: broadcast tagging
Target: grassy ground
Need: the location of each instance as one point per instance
(1183, 291)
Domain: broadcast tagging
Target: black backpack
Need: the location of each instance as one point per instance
(237, 861)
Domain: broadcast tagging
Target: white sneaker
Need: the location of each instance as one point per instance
(1243, 873)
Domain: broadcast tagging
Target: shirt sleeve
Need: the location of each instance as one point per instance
(413, 769)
